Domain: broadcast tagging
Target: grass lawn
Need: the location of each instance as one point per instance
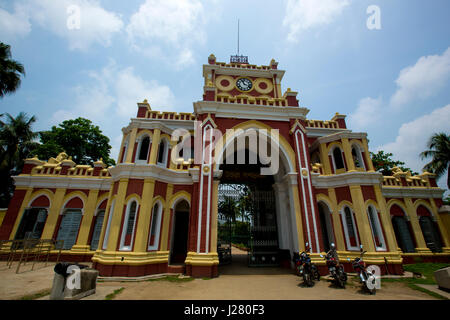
(427, 270)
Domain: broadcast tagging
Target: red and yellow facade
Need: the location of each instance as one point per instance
(161, 216)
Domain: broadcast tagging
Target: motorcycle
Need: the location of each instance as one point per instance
(305, 268)
(367, 279)
(336, 270)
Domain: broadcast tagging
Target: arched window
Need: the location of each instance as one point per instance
(162, 152)
(348, 221)
(129, 226)
(402, 229)
(375, 226)
(143, 149)
(357, 157)
(33, 219)
(155, 227)
(108, 226)
(97, 228)
(338, 160)
(429, 229)
(123, 157)
(70, 223)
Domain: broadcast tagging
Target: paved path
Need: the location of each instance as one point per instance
(236, 281)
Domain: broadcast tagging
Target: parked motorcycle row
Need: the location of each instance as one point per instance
(309, 271)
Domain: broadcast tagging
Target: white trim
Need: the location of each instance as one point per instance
(108, 226)
(122, 247)
(303, 191)
(412, 192)
(344, 224)
(143, 171)
(346, 179)
(208, 210)
(250, 111)
(310, 191)
(377, 226)
(178, 200)
(157, 228)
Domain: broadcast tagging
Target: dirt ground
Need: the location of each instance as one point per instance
(236, 282)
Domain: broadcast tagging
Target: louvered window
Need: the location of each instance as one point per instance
(97, 229)
(68, 229)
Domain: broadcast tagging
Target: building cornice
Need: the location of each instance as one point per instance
(238, 71)
(151, 171)
(413, 192)
(337, 136)
(249, 111)
(165, 125)
(322, 132)
(346, 179)
(66, 182)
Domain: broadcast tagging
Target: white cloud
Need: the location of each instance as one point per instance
(97, 25)
(109, 96)
(168, 29)
(305, 14)
(13, 25)
(413, 136)
(423, 79)
(368, 112)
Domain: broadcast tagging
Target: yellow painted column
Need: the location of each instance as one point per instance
(145, 214)
(338, 234)
(214, 214)
(86, 223)
(298, 217)
(418, 235)
(155, 145)
(365, 232)
(367, 155)
(131, 143)
(441, 226)
(24, 205)
(324, 158)
(166, 220)
(106, 217)
(114, 231)
(386, 220)
(54, 212)
(348, 154)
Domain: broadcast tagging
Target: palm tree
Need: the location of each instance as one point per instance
(439, 150)
(10, 71)
(16, 143)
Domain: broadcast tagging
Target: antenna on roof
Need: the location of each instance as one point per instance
(238, 58)
(238, 38)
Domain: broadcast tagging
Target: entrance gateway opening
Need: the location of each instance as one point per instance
(256, 220)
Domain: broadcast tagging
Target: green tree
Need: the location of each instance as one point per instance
(439, 150)
(79, 138)
(16, 143)
(228, 208)
(384, 163)
(10, 71)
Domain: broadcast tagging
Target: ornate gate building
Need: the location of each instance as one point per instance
(156, 211)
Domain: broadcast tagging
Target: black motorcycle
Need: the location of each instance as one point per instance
(367, 279)
(336, 270)
(305, 268)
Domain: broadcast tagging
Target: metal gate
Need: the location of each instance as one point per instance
(247, 219)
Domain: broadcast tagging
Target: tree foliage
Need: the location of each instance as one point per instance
(16, 143)
(439, 151)
(10, 71)
(79, 138)
(384, 163)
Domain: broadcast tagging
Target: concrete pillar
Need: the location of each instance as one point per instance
(386, 220)
(131, 143)
(348, 155)
(86, 223)
(364, 230)
(155, 146)
(53, 214)
(418, 235)
(338, 234)
(114, 231)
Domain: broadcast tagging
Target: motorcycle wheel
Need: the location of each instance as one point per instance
(308, 280)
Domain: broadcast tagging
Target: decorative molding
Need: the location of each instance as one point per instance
(346, 179)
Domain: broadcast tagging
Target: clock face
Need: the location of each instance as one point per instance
(244, 84)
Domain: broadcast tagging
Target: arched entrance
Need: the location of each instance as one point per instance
(327, 227)
(33, 219)
(180, 228)
(259, 206)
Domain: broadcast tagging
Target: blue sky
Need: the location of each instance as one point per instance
(392, 83)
